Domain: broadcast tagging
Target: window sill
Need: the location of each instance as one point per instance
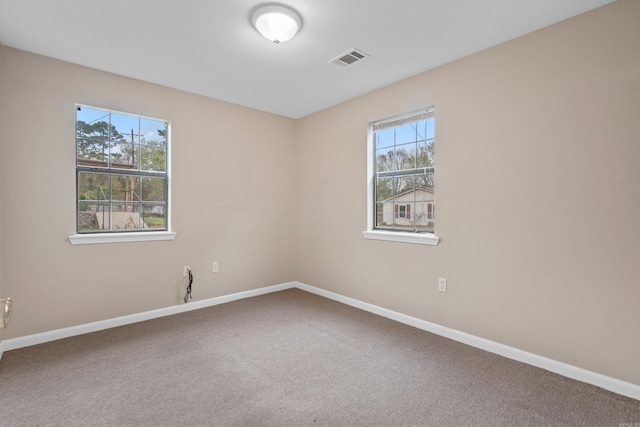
(399, 236)
(90, 239)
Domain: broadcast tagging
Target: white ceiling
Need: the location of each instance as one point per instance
(209, 47)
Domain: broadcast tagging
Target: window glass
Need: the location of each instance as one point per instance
(404, 165)
(121, 170)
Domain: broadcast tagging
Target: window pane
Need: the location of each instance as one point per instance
(404, 184)
(92, 137)
(425, 181)
(125, 209)
(384, 138)
(405, 156)
(387, 208)
(153, 189)
(405, 203)
(93, 186)
(124, 155)
(406, 133)
(153, 150)
(91, 115)
(421, 133)
(153, 130)
(154, 216)
(135, 203)
(384, 202)
(424, 210)
(380, 215)
(153, 158)
(385, 160)
(124, 141)
(154, 205)
(426, 157)
(124, 127)
(125, 216)
(125, 188)
(93, 200)
(384, 189)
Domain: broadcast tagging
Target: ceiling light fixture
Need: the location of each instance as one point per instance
(276, 22)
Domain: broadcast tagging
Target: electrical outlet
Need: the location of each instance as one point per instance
(185, 271)
(442, 284)
(215, 267)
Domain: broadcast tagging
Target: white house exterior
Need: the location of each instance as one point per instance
(411, 206)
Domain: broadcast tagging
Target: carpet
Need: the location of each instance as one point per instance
(289, 358)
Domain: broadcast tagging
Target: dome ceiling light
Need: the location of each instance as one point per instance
(276, 22)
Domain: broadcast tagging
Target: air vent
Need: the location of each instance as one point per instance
(349, 58)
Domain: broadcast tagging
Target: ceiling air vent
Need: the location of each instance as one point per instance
(349, 58)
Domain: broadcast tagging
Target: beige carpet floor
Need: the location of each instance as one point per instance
(287, 359)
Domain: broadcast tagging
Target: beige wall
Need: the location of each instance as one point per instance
(527, 132)
(220, 154)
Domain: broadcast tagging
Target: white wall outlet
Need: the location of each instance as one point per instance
(185, 271)
(442, 284)
(215, 267)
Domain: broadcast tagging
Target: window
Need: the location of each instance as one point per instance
(401, 178)
(122, 173)
(403, 211)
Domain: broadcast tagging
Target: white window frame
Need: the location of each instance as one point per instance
(131, 236)
(391, 235)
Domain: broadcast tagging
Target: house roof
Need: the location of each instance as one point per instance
(391, 199)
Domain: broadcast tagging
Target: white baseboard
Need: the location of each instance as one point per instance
(612, 384)
(561, 368)
(29, 340)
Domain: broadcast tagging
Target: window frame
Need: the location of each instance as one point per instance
(121, 236)
(402, 211)
(423, 238)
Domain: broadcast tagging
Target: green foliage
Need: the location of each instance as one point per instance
(418, 156)
(92, 140)
(155, 222)
(83, 206)
(95, 141)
